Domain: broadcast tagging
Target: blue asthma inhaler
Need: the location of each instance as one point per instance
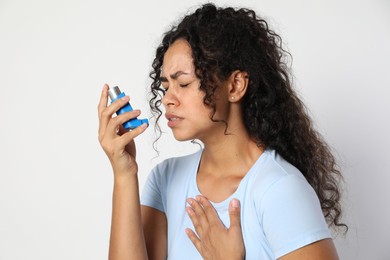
(116, 93)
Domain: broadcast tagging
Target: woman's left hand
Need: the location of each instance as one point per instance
(212, 239)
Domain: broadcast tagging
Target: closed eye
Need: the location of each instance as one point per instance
(163, 89)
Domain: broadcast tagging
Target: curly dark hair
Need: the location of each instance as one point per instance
(224, 40)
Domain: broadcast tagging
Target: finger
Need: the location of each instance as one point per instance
(194, 239)
(235, 214)
(116, 105)
(198, 209)
(103, 99)
(116, 122)
(195, 221)
(106, 112)
(209, 210)
(126, 138)
(101, 106)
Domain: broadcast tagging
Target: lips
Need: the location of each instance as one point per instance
(173, 120)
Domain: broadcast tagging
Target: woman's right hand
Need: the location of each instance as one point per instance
(117, 143)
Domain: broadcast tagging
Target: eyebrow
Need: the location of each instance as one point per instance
(174, 75)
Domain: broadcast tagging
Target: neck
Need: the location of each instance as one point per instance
(232, 153)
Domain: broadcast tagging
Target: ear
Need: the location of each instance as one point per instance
(238, 85)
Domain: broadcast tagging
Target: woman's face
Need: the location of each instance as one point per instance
(188, 116)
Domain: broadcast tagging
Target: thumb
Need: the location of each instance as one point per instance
(235, 214)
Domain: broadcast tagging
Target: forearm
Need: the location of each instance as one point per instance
(127, 238)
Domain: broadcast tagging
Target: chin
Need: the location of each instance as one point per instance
(182, 137)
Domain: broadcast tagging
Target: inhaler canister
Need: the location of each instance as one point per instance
(116, 93)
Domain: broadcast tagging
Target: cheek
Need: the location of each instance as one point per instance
(194, 99)
(202, 110)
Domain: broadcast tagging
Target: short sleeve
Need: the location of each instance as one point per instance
(291, 215)
(152, 191)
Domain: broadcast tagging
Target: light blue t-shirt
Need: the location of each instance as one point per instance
(280, 212)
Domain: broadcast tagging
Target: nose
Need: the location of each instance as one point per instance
(170, 99)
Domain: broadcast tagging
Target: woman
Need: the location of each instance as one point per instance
(263, 186)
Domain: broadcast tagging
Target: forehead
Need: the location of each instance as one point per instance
(178, 57)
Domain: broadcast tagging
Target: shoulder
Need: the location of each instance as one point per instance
(272, 173)
(288, 206)
(174, 169)
(165, 178)
(283, 195)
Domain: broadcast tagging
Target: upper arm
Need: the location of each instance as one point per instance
(320, 250)
(155, 231)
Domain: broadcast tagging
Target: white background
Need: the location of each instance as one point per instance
(55, 181)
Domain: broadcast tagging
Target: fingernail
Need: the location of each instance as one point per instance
(125, 98)
(235, 203)
(189, 211)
